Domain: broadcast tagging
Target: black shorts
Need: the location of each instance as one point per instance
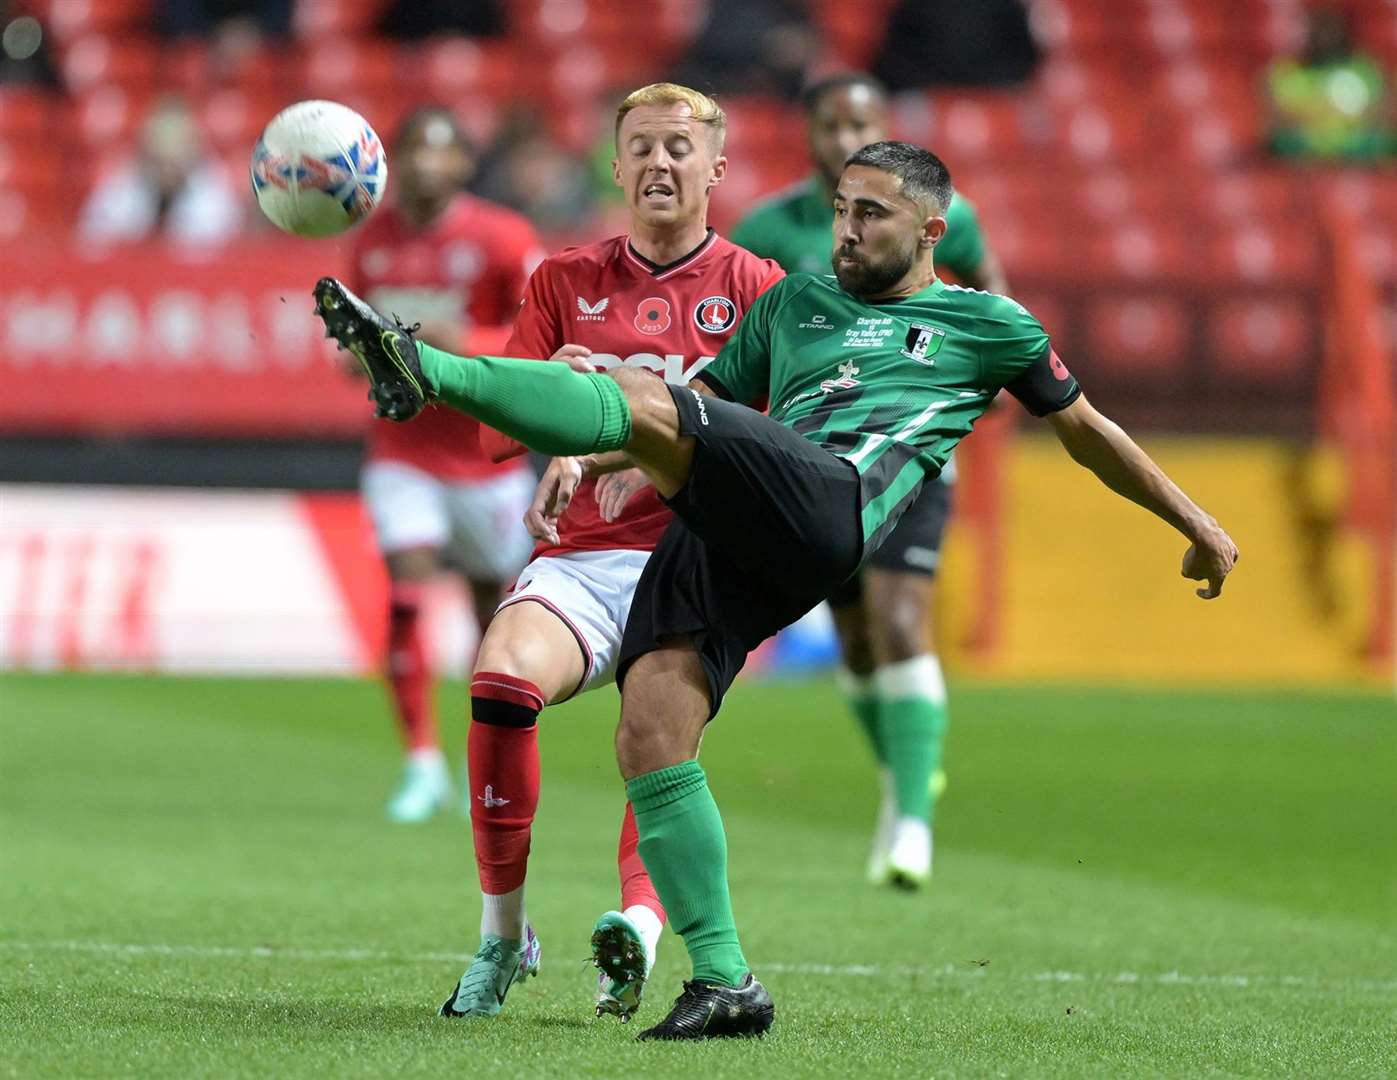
(914, 547)
(767, 525)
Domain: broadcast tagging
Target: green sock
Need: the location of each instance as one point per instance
(686, 854)
(863, 703)
(912, 727)
(547, 407)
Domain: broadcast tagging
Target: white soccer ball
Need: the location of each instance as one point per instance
(318, 169)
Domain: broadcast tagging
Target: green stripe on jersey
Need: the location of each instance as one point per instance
(890, 387)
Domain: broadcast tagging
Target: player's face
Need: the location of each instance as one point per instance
(431, 163)
(844, 120)
(666, 165)
(879, 233)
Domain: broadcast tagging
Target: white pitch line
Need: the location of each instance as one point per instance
(972, 970)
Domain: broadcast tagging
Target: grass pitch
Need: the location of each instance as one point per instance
(196, 880)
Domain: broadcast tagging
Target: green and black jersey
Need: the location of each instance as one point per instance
(890, 387)
(795, 228)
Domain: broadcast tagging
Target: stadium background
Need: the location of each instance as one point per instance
(1240, 311)
(1166, 848)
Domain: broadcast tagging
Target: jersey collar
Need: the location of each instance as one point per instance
(658, 272)
(935, 286)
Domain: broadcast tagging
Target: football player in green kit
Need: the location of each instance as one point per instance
(891, 672)
(873, 376)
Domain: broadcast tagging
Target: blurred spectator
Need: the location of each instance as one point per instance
(208, 18)
(169, 187)
(236, 31)
(24, 54)
(1330, 102)
(527, 172)
(408, 20)
(954, 43)
(752, 47)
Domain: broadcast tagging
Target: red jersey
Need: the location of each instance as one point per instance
(670, 319)
(468, 268)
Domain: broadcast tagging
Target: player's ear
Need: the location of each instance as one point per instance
(933, 229)
(616, 172)
(720, 170)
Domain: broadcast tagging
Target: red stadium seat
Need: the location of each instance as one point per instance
(109, 115)
(31, 167)
(1261, 338)
(71, 19)
(987, 126)
(1247, 196)
(1264, 253)
(1092, 134)
(341, 66)
(1146, 333)
(1141, 249)
(95, 60)
(24, 113)
(232, 119)
(314, 19)
(453, 66)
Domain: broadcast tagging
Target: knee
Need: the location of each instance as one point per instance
(904, 631)
(908, 637)
(664, 707)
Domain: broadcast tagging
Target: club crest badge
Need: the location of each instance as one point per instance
(715, 314)
(923, 343)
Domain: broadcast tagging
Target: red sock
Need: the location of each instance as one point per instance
(409, 672)
(636, 887)
(503, 758)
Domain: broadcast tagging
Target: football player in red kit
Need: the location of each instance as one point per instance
(664, 297)
(457, 265)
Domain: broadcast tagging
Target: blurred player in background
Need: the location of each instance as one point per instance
(457, 265)
(665, 298)
(891, 672)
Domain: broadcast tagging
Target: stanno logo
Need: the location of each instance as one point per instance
(592, 312)
(817, 322)
(922, 343)
(489, 798)
(702, 408)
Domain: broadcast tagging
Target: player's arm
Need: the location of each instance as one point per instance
(1101, 445)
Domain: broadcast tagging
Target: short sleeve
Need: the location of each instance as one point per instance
(1020, 358)
(742, 370)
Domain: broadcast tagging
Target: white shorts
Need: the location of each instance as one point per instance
(591, 592)
(478, 525)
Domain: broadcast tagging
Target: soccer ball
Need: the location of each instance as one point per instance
(318, 169)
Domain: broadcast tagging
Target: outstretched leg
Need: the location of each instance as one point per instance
(548, 407)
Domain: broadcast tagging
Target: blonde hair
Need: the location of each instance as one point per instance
(702, 108)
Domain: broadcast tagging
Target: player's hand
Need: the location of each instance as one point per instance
(575, 357)
(552, 496)
(1210, 558)
(615, 489)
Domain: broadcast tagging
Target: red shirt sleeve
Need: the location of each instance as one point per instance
(773, 274)
(537, 335)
